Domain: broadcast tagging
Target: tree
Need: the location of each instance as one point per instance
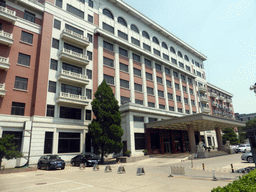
(251, 124)
(8, 148)
(105, 130)
(230, 135)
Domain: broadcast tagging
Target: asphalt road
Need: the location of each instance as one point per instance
(155, 178)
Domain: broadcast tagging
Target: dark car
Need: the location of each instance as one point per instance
(50, 162)
(89, 159)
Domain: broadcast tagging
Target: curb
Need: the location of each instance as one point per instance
(17, 170)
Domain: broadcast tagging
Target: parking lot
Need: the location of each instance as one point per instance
(156, 177)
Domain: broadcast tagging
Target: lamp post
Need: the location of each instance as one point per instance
(253, 87)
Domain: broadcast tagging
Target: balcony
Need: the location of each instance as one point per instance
(8, 15)
(204, 99)
(4, 63)
(6, 38)
(76, 78)
(74, 57)
(75, 38)
(205, 110)
(202, 89)
(221, 98)
(72, 99)
(2, 90)
(228, 101)
(214, 104)
(211, 94)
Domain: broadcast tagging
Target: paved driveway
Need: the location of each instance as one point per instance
(73, 179)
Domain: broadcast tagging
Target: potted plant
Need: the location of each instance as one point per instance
(128, 153)
(213, 147)
(145, 152)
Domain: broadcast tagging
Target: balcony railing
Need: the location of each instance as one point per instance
(212, 94)
(6, 38)
(74, 57)
(66, 75)
(204, 99)
(214, 104)
(8, 15)
(202, 89)
(72, 99)
(4, 63)
(206, 110)
(76, 38)
(221, 98)
(2, 90)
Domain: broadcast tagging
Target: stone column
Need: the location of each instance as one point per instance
(26, 138)
(131, 76)
(219, 138)
(130, 133)
(191, 137)
(161, 137)
(144, 86)
(100, 60)
(117, 74)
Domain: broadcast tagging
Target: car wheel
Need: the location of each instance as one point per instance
(48, 167)
(38, 166)
(73, 164)
(250, 159)
(62, 167)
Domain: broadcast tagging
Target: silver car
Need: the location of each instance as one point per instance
(248, 157)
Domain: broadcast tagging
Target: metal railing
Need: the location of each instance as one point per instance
(5, 34)
(8, 11)
(75, 54)
(73, 96)
(4, 60)
(73, 74)
(75, 34)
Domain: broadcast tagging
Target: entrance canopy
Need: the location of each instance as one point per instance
(200, 122)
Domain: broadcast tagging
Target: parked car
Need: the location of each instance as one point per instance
(50, 162)
(89, 159)
(243, 148)
(248, 157)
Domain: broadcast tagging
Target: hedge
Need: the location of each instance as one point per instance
(246, 183)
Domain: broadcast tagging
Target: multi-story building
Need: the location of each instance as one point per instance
(55, 53)
(245, 117)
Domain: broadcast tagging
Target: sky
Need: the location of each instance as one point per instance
(223, 30)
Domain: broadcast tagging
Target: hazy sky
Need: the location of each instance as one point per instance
(223, 30)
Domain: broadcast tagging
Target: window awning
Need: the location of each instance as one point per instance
(200, 122)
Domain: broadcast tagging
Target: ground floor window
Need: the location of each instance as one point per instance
(17, 138)
(139, 141)
(69, 142)
(155, 141)
(48, 142)
(209, 141)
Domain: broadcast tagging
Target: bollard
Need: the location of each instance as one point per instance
(191, 163)
(95, 167)
(108, 169)
(213, 177)
(203, 167)
(170, 172)
(140, 171)
(121, 170)
(232, 169)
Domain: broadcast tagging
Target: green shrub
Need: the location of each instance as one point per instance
(246, 183)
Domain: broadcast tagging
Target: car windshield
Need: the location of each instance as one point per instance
(241, 145)
(53, 157)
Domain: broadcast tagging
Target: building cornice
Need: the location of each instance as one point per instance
(219, 89)
(157, 27)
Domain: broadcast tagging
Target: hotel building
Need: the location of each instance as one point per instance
(55, 53)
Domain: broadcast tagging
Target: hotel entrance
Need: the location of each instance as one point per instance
(167, 145)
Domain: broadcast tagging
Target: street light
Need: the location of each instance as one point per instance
(253, 87)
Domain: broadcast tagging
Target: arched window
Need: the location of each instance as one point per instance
(108, 13)
(155, 40)
(179, 54)
(122, 21)
(186, 58)
(145, 34)
(134, 28)
(172, 50)
(164, 45)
